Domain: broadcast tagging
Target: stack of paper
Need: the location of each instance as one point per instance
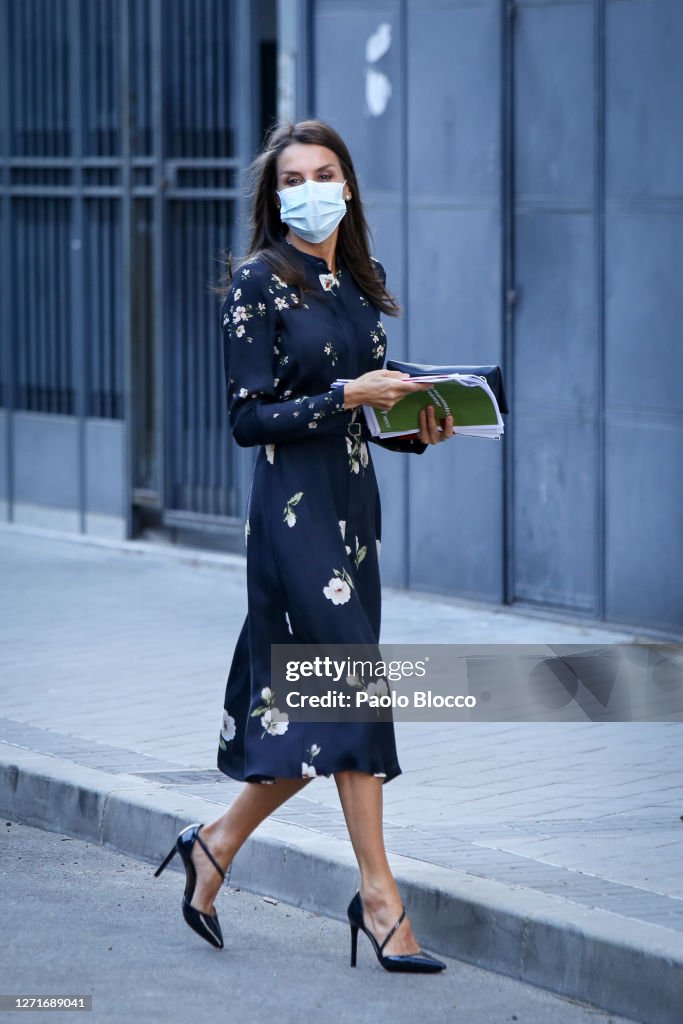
(467, 397)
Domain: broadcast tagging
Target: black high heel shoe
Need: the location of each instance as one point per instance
(205, 925)
(417, 962)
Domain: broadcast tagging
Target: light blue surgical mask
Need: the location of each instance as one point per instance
(314, 209)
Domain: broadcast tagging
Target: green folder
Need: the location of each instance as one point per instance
(469, 400)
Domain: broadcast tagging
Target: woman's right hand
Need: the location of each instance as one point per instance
(381, 389)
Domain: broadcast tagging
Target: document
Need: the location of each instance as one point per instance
(466, 396)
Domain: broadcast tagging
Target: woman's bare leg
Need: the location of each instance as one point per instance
(361, 798)
(225, 835)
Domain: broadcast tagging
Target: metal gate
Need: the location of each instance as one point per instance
(125, 124)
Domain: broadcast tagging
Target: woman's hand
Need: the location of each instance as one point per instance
(384, 388)
(429, 428)
(380, 388)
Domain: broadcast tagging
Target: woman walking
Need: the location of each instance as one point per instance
(302, 311)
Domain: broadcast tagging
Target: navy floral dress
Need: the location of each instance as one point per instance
(313, 527)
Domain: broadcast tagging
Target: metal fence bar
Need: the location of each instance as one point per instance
(80, 354)
(7, 382)
(126, 299)
(159, 129)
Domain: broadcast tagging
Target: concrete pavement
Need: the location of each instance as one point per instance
(550, 852)
(127, 947)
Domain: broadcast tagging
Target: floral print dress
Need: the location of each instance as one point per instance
(313, 527)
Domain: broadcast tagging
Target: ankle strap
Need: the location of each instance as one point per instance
(393, 930)
(211, 857)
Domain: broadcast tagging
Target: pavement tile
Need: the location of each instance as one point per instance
(133, 683)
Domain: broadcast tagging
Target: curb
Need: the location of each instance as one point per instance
(618, 964)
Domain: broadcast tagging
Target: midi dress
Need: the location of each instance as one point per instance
(313, 516)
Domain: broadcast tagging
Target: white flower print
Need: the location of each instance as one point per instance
(307, 769)
(279, 283)
(329, 281)
(239, 331)
(288, 514)
(330, 351)
(281, 303)
(243, 392)
(238, 294)
(358, 453)
(338, 589)
(379, 346)
(342, 527)
(261, 308)
(270, 453)
(275, 722)
(228, 729)
(378, 689)
(245, 274)
(239, 313)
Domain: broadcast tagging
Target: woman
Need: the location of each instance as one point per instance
(302, 311)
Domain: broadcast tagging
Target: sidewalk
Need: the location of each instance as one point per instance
(549, 852)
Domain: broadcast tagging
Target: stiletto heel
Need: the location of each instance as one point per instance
(416, 962)
(205, 925)
(354, 943)
(168, 859)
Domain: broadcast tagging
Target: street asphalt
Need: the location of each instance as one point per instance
(87, 921)
(548, 852)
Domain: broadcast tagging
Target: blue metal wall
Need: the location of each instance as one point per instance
(523, 169)
(523, 166)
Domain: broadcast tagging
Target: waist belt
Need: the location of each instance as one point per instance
(340, 423)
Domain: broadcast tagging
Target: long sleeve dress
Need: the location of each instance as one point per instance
(313, 527)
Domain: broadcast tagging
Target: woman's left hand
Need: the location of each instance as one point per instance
(429, 428)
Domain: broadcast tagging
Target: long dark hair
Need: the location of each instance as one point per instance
(268, 231)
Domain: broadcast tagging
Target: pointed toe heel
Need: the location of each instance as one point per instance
(206, 925)
(417, 963)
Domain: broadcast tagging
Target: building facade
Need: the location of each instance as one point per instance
(522, 165)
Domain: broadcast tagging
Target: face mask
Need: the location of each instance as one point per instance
(313, 209)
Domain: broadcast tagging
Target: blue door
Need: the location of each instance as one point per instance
(522, 165)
